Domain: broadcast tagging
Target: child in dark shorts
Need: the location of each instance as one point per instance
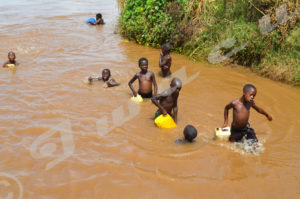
(146, 79)
(240, 126)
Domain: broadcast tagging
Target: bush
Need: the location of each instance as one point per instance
(195, 27)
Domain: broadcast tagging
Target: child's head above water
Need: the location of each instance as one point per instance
(105, 74)
(176, 83)
(166, 48)
(249, 92)
(190, 133)
(143, 64)
(98, 16)
(11, 56)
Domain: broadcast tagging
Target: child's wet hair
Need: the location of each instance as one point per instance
(176, 82)
(11, 52)
(106, 69)
(166, 48)
(247, 87)
(98, 16)
(190, 133)
(142, 59)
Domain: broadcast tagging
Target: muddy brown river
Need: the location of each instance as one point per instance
(63, 138)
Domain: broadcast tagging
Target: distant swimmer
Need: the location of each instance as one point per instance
(165, 60)
(167, 100)
(11, 62)
(146, 79)
(240, 126)
(97, 21)
(106, 78)
(190, 133)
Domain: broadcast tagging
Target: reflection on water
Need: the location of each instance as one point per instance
(132, 159)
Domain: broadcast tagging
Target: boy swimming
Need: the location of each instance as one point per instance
(240, 126)
(146, 79)
(168, 100)
(190, 133)
(11, 60)
(165, 60)
(106, 78)
(98, 21)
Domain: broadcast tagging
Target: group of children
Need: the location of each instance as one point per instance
(166, 101)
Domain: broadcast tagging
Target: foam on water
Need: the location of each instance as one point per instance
(243, 147)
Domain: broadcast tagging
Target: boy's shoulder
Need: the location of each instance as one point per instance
(236, 101)
(147, 73)
(150, 72)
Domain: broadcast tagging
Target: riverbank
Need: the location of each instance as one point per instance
(198, 29)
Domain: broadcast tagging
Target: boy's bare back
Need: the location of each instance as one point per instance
(167, 100)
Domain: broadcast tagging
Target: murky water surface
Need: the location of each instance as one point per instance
(62, 138)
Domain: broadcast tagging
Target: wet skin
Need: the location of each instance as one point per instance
(11, 59)
(168, 101)
(241, 110)
(146, 79)
(105, 78)
(165, 63)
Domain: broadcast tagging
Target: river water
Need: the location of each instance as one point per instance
(62, 138)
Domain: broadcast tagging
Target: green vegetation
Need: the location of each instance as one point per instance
(195, 27)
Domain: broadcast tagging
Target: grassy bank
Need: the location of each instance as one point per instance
(196, 27)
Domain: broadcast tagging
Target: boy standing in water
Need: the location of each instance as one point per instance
(241, 111)
(146, 79)
(106, 78)
(11, 60)
(165, 60)
(168, 100)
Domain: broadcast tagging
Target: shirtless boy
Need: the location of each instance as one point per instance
(241, 112)
(165, 60)
(11, 60)
(106, 78)
(146, 79)
(99, 20)
(168, 100)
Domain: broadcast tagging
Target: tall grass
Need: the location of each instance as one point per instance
(195, 27)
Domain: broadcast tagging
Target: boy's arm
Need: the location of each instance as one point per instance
(112, 82)
(5, 64)
(261, 111)
(158, 97)
(227, 107)
(91, 79)
(130, 85)
(154, 84)
(175, 109)
(164, 60)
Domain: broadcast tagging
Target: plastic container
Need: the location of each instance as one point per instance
(222, 133)
(165, 122)
(91, 21)
(11, 65)
(138, 98)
